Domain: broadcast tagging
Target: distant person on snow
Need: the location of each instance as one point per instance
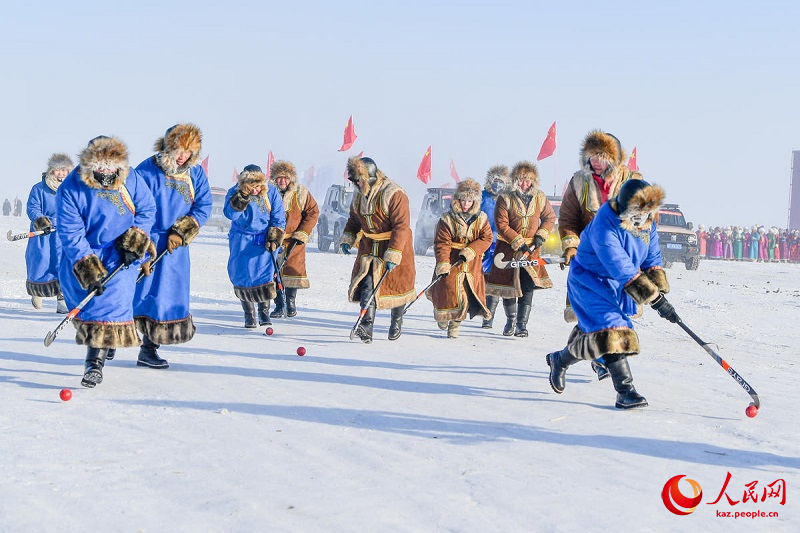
(17, 207)
(183, 205)
(617, 266)
(496, 182)
(255, 209)
(43, 253)
(463, 233)
(302, 213)
(105, 212)
(6, 208)
(379, 211)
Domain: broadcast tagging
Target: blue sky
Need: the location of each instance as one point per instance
(706, 91)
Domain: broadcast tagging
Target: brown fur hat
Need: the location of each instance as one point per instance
(357, 167)
(496, 172)
(522, 170)
(178, 138)
(283, 168)
(104, 153)
(57, 161)
(469, 189)
(637, 197)
(253, 175)
(604, 146)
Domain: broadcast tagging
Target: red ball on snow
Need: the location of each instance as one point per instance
(270, 331)
(301, 351)
(751, 411)
(65, 394)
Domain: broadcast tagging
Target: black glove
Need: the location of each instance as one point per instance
(97, 287)
(127, 257)
(526, 249)
(665, 309)
(538, 241)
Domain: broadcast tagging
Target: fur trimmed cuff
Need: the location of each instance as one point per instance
(134, 240)
(301, 236)
(442, 268)
(659, 278)
(42, 223)
(518, 241)
(187, 228)
(468, 254)
(570, 241)
(275, 234)
(347, 238)
(641, 289)
(88, 270)
(239, 201)
(393, 256)
(543, 233)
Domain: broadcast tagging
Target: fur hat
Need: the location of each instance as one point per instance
(107, 153)
(57, 161)
(178, 138)
(469, 189)
(637, 197)
(525, 170)
(358, 172)
(603, 146)
(494, 173)
(253, 175)
(282, 168)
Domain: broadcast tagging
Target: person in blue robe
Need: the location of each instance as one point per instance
(496, 181)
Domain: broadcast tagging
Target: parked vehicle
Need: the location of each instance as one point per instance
(333, 215)
(217, 218)
(677, 240)
(434, 204)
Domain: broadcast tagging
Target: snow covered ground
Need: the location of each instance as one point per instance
(421, 434)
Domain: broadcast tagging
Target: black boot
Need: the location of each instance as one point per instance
(263, 314)
(558, 363)
(291, 308)
(111, 353)
(510, 307)
(627, 397)
(278, 311)
(249, 314)
(364, 329)
(395, 328)
(148, 356)
(93, 372)
(599, 367)
(491, 303)
(523, 312)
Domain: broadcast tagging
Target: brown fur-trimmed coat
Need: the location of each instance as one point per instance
(302, 213)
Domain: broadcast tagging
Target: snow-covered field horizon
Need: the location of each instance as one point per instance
(421, 434)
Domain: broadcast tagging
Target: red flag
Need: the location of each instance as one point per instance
(310, 176)
(235, 175)
(270, 160)
(453, 172)
(549, 144)
(424, 170)
(349, 135)
(632, 163)
(204, 164)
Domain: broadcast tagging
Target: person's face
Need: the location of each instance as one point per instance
(59, 173)
(639, 219)
(466, 204)
(256, 190)
(525, 184)
(598, 166)
(283, 182)
(182, 157)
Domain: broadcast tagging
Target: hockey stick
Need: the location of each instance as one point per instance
(431, 284)
(153, 264)
(279, 281)
(723, 363)
(51, 335)
(501, 263)
(366, 306)
(28, 234)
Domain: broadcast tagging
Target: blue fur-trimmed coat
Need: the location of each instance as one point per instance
(250, 267)
(488, 203)
(161, 304)
(90, 219)
(43, 253)
(608, 258)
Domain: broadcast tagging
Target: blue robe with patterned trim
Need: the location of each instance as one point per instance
(89, 222)
(250, 264)
(608, 257)
(164, 295)
(43, 253)
(488, 203)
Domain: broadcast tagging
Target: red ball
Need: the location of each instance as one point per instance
(301, 351)
(270, 331)
(65, 394)
(751, 411)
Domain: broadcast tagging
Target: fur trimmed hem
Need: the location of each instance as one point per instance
(502, 291)
(166, 332)
(106, 334)
(295, 282)
(262, 293)
(591, 346)
(395, 300)
(47, 289)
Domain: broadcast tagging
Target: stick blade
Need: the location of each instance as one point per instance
(48, 340)
(10, 235)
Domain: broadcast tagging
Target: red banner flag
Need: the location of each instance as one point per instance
(235, 175)
(549, 144)
(270, 160)
(632, 162)
(349, 135)
(453, 172)
(424, 170)
(204, 164)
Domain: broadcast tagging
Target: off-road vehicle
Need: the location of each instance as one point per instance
(677, 240)
(218, 219)
(333, 216)
(434, 204)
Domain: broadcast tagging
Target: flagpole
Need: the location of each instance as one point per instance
(555, 174)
